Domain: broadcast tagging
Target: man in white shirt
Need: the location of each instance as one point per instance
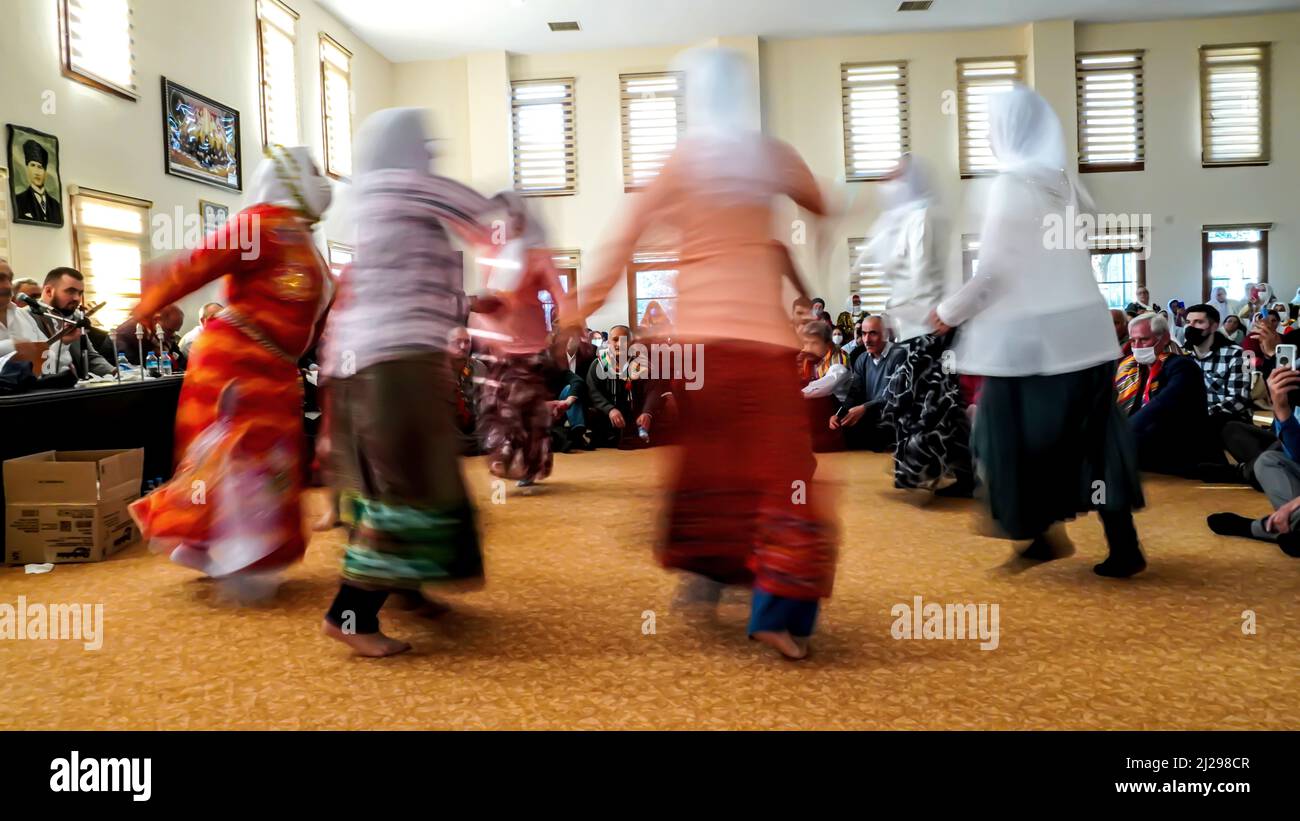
(20, 339)
(187, 341)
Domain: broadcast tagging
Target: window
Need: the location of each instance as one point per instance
(276, 36)
(1110, 95)
(876, 124)
(542, 124)
(339, 256)
(1232, 257)
(96, 44)
(566, 265)
(866, 279)
(977, 80)
(1119, 265)
(654, 116)
(970, 256)
(110, 244)
(336, 106)
(652, 278)
(4, 216)
(1234, 105)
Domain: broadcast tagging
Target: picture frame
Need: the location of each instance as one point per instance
(40, 203)
(214, 215)
(201, 138)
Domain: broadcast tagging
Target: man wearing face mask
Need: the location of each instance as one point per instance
(1227, 376)
(1163, 395)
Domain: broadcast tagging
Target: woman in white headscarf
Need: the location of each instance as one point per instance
(1258, 297)
(923, 403)
(732, 517)
(394, 444)
(1219, 301)
(232, 508)
(1048, 436)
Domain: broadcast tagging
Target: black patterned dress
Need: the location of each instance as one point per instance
(932, 431)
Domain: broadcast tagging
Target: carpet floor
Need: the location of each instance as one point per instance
(576, 628)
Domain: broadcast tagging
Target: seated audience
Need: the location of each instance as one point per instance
(171, 318)
(1162, 392)
(818, 307)
(468, 373)
(569, 360)
(1143, 303)
(826, 377)
(801, 313)
(1278, 473)
(1227, 377)
(1121, 321)
(624, 399)
(1258, 297)
(859, 415)
(210, 310)
(63, 290)
(27, 286)
(1233, 329)
(1177, 315)
(1265, 327)
(854, 346)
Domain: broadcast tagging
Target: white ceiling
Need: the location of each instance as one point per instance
(405, 30)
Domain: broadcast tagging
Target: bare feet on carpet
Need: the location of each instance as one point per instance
(370, 645)
(784, 643)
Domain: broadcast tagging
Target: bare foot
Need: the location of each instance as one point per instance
(327, 520)
(370, 645)
(783, 642)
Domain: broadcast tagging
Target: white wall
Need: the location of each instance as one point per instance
(116, 145)
(800, 96)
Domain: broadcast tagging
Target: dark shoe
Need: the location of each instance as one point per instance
(1229, 524)
(1128, 563)
(1048, 547)
(1290, 544)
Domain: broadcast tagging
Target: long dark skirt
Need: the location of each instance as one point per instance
(1052, 447)
(514, 419)
(394, 458)
(931, 430)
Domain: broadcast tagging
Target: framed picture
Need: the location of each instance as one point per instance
(35, 184)
(214, 214)
(200, 138)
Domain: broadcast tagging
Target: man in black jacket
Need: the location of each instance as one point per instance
(1163, 395)
(859, 416)
(623, 397)
(64, 289)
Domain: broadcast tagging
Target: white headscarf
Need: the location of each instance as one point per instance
(1026, 137)
(395, 138)
(1221, 305)
(726, 147)
(288, 177)
(907, 191)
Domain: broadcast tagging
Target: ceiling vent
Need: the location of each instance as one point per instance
(915, 5)
(571, 25)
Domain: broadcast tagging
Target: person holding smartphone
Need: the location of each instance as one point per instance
(1277, 471)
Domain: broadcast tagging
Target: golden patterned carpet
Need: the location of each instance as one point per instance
(556, 640)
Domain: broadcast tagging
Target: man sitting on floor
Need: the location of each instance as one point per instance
(859, 415)
(1162, 393)
(1278, 473)
(1223, 364)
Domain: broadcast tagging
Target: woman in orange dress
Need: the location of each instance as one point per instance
(232, 509)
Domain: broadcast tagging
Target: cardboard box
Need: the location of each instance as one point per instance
(70, 506)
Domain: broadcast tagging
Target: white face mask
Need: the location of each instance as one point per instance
(837, 339)
(1145, 356)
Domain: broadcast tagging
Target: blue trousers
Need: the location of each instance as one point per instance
(770, 613)
(576, 416)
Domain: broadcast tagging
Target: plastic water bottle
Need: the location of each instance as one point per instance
(123, 365)
(643, 433)
(166, 363)
(151, 363)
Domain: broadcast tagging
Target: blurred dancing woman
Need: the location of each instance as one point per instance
(923, 403)
(738, 512)
(515, 410)
(239, 422)
(394, 445)
(1049, 438)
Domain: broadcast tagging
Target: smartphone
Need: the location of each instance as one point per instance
(1286, 356)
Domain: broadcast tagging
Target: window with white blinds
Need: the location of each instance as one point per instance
(545, 145)
(111, 245)
(336, 106)
(977, 80)
(339, 256)
(1110, 111)
(98, 44)
(4, 215)
(1234, 104)
(654, 116)
(866, 278)
(876, 124)
(276, 37)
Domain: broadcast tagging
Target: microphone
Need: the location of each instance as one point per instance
(35, 304)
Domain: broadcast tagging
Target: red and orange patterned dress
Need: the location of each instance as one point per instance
(236, 491)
